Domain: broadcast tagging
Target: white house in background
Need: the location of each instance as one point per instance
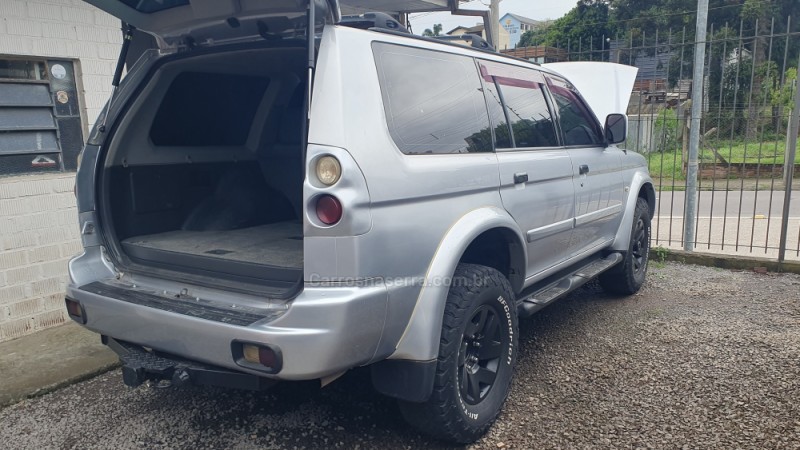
(516, 25)
(479, 29)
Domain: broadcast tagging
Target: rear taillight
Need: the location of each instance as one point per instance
(329, 209)
(328, 170)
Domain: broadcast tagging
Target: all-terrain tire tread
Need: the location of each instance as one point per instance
(440, 416)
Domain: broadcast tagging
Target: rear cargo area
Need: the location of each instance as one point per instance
(204, 174)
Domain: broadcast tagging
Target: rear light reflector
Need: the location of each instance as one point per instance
(329, 209)
(75, 311)
(260, 355)
(264, 357)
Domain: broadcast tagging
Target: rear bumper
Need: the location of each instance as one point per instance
(325, 330)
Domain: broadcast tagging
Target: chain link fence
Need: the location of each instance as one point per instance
(745, 203)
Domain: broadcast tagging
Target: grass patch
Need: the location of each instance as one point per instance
(659, 256)
(737, 152)
(669, 165)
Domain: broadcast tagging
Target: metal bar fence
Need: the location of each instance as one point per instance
(750, 87)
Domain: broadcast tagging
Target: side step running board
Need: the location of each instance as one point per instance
(540, 298)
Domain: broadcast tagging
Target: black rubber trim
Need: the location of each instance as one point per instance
(199, 309)
(404, 379)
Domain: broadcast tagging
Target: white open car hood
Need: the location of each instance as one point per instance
(605, 86)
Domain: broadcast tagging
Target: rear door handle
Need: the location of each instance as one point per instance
(520, 178)
(584, 169)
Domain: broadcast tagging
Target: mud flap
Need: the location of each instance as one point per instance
(411, 381)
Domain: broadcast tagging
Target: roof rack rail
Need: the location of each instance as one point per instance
(379, 20)
(450, 42)
(474, 40)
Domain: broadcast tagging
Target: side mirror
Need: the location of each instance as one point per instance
(616, 128)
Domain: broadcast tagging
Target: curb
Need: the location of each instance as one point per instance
(731, 262)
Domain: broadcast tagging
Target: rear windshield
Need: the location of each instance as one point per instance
(207, 109)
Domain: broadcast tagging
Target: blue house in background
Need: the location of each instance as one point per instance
(517, 25)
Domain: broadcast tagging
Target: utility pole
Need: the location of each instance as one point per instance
(791, 155)
(690, 215)
(494, 14)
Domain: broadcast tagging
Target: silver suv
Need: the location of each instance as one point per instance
(254, 208)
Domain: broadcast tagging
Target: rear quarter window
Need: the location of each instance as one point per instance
(432, 100)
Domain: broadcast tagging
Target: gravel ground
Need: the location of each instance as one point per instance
(700, 358)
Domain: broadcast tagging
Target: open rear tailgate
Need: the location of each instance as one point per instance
(204, 21)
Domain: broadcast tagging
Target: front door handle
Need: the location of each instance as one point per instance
(520, 178)
(584, 169)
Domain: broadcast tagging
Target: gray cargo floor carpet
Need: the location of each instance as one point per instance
(277, 244)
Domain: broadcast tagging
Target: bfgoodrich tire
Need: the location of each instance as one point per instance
(627, 278)
(477, 353)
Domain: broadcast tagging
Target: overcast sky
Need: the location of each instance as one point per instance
(535, 9)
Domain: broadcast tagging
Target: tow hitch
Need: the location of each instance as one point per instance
(140, 365)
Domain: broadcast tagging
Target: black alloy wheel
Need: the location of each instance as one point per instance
(479, 356)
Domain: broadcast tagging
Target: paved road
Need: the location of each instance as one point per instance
(721, 229)
(727, 203)
(699, 358)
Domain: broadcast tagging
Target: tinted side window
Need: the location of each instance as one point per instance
(530, 118)
(577, 121)
(522, 93)
(433, 101)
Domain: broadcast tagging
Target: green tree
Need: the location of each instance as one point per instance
(584, 27)
(782, 97)
(437, 30)
(646, 17)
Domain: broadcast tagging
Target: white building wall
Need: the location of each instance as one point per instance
(38, 216)
(38, 235)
